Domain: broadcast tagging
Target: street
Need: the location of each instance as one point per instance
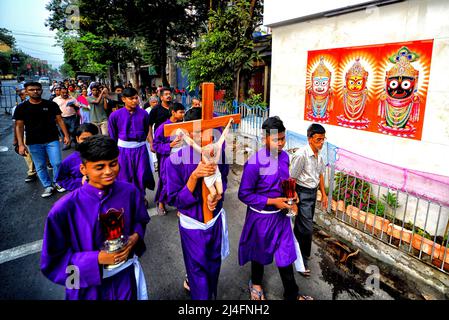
(22, 221)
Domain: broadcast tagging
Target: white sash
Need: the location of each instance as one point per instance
(265, 212)
(142, 293)
(299, 263)
(192, 224)
(130, 144)
(150, 155)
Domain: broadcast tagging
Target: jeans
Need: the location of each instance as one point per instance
(71, 124)
(39, 154)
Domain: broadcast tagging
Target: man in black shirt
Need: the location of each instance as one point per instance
(159, 114)
(38, 117)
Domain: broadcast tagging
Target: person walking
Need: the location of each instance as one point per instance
(38, 118)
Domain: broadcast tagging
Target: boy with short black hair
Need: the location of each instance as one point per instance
(129, 127)
(267, 232)
(73, 236)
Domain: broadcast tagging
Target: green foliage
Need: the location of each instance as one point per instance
(226, 49)
(357, 193)
(7, 38)
(135, 31)
(255, 100)
(391, 200)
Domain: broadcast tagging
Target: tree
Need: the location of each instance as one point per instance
(134, 30)
(7, 38)
(226, 52)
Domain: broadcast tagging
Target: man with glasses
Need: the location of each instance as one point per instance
(307, 167)
(38, 117)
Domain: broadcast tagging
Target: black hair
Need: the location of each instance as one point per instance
(315, 128)
(273, 123)
(98, 148)
(176, 107)
(193, 114)
(165, 89)
(33, 84)
(117, 87)
(86, 127)
(129, 92)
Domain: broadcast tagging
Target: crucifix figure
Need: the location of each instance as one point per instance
(210, 154)
(205, 127)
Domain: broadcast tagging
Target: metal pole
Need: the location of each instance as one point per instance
(403, 222)
(425, 225)
(435, 236)
(414, 221)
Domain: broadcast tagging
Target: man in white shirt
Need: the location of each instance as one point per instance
(68, 106)
(307, 167)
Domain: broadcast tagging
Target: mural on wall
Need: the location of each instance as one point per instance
(378, 88)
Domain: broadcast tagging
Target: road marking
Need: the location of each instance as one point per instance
(20, 251)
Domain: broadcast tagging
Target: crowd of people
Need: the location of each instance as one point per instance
(118, 138)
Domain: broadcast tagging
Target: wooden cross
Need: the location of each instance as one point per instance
(207, 124)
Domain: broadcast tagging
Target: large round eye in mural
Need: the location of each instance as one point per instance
(400, 87)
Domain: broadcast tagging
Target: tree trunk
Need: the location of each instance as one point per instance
(163, 56)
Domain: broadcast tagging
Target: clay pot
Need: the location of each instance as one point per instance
(334, 205)
(399, 233)
(427, 246)
(441, 255)
(341, 205)
(318, 196)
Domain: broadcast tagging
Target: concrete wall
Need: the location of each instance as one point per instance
(405, 21)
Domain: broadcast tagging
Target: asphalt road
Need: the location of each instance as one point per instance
(22, 220)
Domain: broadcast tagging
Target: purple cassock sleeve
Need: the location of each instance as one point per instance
(248, 187)
(112, 127)
(69, 176)
(161, 144)
(57, 255)
(140, 223)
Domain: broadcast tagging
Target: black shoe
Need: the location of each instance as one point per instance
(66, 147)
(31, 178)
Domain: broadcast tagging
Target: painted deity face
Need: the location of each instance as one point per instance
(355, 83)
(400, 87)
(320, 85)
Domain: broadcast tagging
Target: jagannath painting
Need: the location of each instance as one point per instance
(377, 88)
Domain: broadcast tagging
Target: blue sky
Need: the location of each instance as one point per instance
(26, 18)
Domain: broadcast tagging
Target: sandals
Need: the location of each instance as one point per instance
(186, 284)
(161, 211)
(255, 294)
(305, 273)
(301, 297)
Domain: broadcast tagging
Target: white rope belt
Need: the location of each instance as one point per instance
(130, 144)
(264, 211)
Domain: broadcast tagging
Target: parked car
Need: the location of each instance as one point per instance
(44, 80)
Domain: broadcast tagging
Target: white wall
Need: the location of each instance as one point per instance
(405, 21)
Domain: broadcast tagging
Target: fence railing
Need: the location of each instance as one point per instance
(252, 117)
(8, 98)
(416, 226)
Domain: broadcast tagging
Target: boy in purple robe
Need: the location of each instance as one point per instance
(204, 245)
(69, 174)
(72, 252)
(129, 127)
(267, 231)
(164, 148)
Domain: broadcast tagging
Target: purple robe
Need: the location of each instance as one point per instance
(69, 174)
(134, 162)
(265, 236)
(73, 237)
(201, 248)
(161, 145)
